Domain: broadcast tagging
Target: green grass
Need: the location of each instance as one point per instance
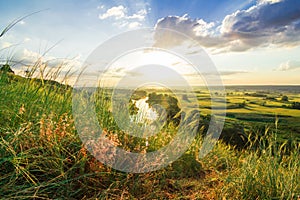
(42, 157)
(270, 171)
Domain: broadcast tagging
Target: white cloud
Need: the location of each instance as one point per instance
(100, 7)
(269, 1)
(27, 39)
(222, 73)
(117, 12)
(27, 57)
(121, 17)
(59, 69)
(6, 45)
(204, 29)
(140, 15)
(288, 66)
(22, 22)
(133, 25)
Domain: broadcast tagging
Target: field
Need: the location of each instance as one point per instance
(261, 106)
(42, 155)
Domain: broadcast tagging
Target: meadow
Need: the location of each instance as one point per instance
(254, 106)
(42, 156)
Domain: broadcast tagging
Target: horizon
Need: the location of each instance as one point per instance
(225, 85)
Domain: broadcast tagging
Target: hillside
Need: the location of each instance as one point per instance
(42, 156)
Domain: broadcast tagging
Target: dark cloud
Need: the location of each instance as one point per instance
(266, 23)
(197, 29)
(297, 26)
(262, 20)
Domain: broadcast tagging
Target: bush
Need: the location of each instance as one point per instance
(6, 69)
(234, 136)
(284, 98)
(296, 105)
(168, 102)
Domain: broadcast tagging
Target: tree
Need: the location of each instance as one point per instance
(242, 105)
(296, 105)
(6, 69)
(169, 103)
(139, 94)
(133, 110)
(284, 98)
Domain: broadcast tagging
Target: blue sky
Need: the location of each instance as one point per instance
(213, 10)
(250, 42)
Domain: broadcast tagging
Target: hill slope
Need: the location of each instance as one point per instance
(41, 156)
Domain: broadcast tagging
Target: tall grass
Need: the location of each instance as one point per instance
(42, 157)
(269, 170)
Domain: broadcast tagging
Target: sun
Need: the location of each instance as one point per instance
(150, 65)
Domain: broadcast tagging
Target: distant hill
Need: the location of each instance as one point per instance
(6, 69)
(9, 75)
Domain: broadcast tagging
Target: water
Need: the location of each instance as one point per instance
(145, 113)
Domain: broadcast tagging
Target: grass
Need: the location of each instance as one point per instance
(42, 157)
(270, 171)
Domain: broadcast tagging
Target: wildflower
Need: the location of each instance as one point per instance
(22, 110)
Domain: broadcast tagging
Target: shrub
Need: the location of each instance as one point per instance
(296, 105)
(284, 98)
(6, 69)
(170, 104)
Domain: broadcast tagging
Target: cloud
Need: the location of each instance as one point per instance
(140, 15)
(22, 22)
(222, 73)
(262, 20)
(64, 70)
(133, 25)
(27, 39)
(121, 18)
(269, 1)
(25, 59)
(100, 7)
(204, 29)
(289, 66)
(229, 73)
(117, 12)
(120, 72)
(184, 24)
(199, 30)
(269, 22)
(5, 45)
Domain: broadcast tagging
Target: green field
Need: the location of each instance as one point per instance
(42, 156)
(254, 110)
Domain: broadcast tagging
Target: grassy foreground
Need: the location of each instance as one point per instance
(42, 157)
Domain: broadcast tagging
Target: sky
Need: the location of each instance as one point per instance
(250, 42)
